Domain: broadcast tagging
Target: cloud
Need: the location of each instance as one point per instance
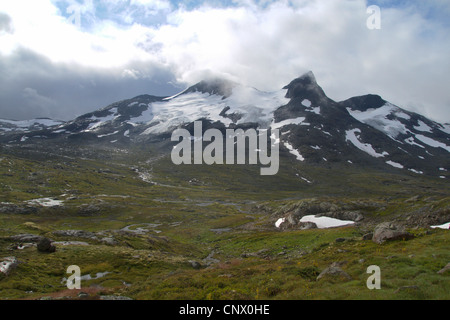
(264, 44)
(37, 87)
(5, 23)
(405, 62)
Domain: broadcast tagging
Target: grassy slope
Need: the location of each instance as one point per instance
(188, 203)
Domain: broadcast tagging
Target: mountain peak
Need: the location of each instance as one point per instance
(309, 76)
(305, 87)
(363, 103)
(218, 86)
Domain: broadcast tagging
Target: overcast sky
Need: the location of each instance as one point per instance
(63, 58)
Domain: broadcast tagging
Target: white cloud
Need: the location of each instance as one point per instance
(261, 43)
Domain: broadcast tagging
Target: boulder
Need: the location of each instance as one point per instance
(307, 225)
(446, 268)
(45, 245)
(196, 265)
(334, 272)
(387, 231)
(7, 264)
(26, 238)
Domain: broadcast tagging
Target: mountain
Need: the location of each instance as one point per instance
(102, 193)
(314, 129)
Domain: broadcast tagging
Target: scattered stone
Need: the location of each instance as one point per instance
(83, 295)
(334, 272)
(412, 199)
(71, 243)
(220, 230)
(209, 260)
(367, 236)
(7, 264)
(387, 231)
(21, 246)
(263, 253)
(75, 234)
(26, 238)
(196, 265)
(443, 270)
(109, 241)
(340, 239)
(114, 298)
(10, 208)
(307, 225)
(45, 245)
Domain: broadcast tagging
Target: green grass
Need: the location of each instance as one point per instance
(102, 192)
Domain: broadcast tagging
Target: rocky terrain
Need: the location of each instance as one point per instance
(361, 182)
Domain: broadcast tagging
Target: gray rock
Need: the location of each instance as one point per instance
(367, 236)
(196, 265)
(71, 243)
(209, 260)
(334, 272)
(21, 246)
(45, 245)
(7, 264)
(387, 231)
(75, 234)
(446, 268)
(26, 238)
(109, 241)
(114, 298)
(17, 209)
(307, 225)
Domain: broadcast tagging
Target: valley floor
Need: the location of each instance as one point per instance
(178, 234)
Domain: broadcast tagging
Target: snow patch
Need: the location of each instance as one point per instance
(367, 148)
(306, 103)
(411, 141)
(294, 151)
(378, 119)
(445, 128)
(442, 226)
(283, 123)
(100, 121)
(279, 222)
(108, 134)
(253, 106)
(146, 117)
(326, 222)
(432, 143)
(422, 127)
(395, 164)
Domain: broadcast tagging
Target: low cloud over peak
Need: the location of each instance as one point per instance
(82, 54)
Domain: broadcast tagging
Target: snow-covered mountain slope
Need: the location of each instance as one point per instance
(314, 128)
(27, 125)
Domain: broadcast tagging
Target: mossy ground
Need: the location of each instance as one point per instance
(225, 213)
